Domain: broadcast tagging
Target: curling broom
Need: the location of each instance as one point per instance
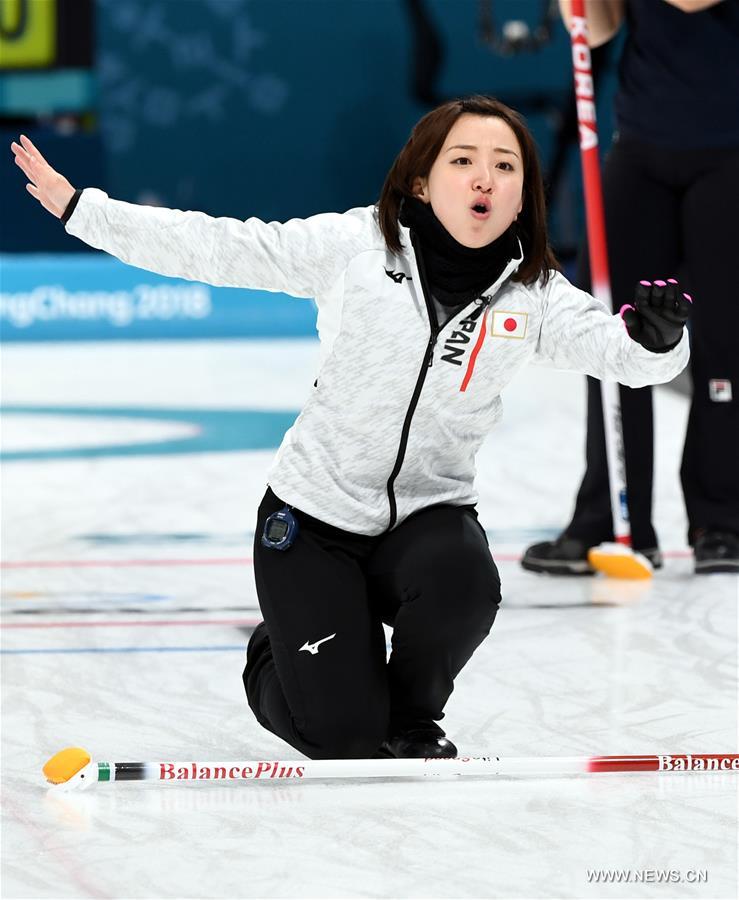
(616, 558)
(74, 768)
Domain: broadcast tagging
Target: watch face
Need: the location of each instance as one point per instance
(276, 530)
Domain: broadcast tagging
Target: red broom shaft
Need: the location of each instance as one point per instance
(595, 218)
(585, 99)
(598, 252)
(689, 762)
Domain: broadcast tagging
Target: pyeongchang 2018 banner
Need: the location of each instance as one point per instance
(82, 297)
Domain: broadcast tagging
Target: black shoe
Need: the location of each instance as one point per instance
(715, 551)
(418, 745)
(569, 556)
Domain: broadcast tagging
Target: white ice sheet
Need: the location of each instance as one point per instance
(127, 602)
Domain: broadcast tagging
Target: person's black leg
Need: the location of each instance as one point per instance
(433, 578)
(644, 241)
(592, 519)
(316, 669)
(642, 226)
(710, 467)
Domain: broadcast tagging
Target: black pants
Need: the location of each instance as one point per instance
(316, 672)
(671, 213)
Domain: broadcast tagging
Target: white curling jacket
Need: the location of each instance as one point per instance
(401, 402)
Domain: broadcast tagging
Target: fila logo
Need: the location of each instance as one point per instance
(509, 324)
(313, 648)
(719, 390)
(397, 276)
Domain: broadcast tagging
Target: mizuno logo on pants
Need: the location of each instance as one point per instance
(313, 648)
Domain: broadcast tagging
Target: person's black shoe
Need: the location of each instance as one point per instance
(715, 551)
(563, 556)
(418, 745)
(569, 556)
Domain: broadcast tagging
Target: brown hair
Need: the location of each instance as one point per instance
(419, 154)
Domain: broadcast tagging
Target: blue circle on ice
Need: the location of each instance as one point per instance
(213, 430)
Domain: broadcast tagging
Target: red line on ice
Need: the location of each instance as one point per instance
(139, 623)
(233, 561)
(122, 563)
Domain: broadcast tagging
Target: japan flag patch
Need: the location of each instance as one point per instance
(509, 324)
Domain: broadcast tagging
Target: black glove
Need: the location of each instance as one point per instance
(659, 312)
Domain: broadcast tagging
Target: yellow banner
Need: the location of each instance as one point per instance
(27, 33)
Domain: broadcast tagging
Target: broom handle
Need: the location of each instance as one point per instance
(598, 252)
(290, 770)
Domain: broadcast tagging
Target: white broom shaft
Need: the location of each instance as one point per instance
(363, 768)
(290, 770)
(611, 403)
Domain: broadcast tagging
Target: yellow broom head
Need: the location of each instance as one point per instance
(66, 764)
(619, 561)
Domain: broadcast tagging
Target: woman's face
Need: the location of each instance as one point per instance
(480, 165)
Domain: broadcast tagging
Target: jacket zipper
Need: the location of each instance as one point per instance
(425, 365)
(482, 303)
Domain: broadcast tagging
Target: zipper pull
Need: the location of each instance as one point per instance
(430, 349)
(481, 303)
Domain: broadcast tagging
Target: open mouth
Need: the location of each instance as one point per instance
(480, 211)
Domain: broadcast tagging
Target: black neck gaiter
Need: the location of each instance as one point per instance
(456, 274)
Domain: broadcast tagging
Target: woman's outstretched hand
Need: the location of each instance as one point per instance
(51, 189)
(656, 317)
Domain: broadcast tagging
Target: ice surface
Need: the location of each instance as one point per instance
(128, 596)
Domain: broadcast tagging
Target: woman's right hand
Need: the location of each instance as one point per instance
(51, 189)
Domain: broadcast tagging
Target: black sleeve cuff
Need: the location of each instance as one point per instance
(667, 347)
(71, 206)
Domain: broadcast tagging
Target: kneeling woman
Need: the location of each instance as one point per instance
(428, 304)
